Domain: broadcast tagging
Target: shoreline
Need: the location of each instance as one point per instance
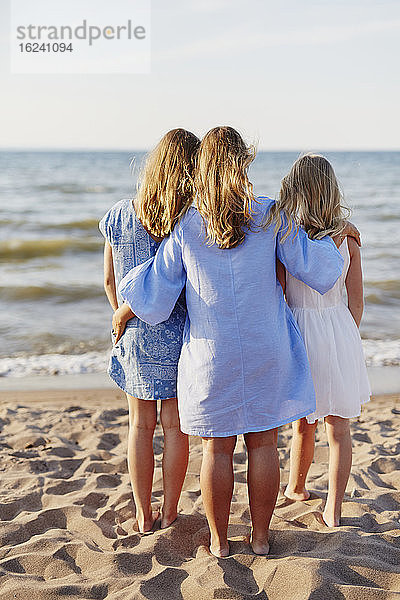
(96, 398)
(383, 380)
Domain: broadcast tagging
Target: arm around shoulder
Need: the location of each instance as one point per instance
(317, 263)
(152, 288)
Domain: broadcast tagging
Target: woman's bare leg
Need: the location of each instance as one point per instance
(175, 460)
(142, 422)
(301, 457)
(263, 484)
(340, 456)
(216, 482)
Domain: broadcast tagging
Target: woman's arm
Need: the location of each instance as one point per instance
(354, 283)
(281, 274)
(109, 277)
(317, 263)
(152, 288)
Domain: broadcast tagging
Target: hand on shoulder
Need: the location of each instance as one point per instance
(351, 232)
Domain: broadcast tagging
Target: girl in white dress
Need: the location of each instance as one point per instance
(329, 324)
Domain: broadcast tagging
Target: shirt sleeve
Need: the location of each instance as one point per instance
(104, 226)
(318, 263)
(153, 288)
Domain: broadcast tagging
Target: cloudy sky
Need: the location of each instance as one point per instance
(294, 75)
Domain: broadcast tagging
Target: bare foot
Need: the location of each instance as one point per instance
(259, 547)
(146, 525)
(167, 520)
(220, 550)
(330, 521)
(300, 496)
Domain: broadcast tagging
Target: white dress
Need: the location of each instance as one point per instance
(333, 345)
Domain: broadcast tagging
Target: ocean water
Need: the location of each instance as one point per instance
(54, 317)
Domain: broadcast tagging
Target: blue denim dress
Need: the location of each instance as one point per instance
(144, 362)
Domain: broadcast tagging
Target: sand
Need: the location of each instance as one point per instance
(68, 515)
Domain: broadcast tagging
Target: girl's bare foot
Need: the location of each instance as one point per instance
(330, 520)
(168, 519)
(146, 525)
(294, 495)
(220, 551)
(259, 546)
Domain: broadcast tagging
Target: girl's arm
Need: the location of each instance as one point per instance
(281, 274)
(119, 319)
(123, 314)
(109, 277)
(354, 283)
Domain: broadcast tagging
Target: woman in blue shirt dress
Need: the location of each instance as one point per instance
(144, 357)
(243, 366)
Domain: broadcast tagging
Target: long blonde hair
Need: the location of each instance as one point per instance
(309, 196)
(166, 184)
(224, 192)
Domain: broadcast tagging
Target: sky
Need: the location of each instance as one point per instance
(293, 75)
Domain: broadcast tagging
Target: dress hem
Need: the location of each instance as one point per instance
(152, 399)
(208, 433)
(336, 414)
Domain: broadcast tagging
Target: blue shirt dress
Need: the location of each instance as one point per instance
(144, 362)
(243, 364)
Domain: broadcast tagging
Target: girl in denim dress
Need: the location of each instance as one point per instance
(144, 358)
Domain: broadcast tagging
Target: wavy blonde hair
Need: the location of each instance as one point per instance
(309, 196)
(166, 186)
(224, 192)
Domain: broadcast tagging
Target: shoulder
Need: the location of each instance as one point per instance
(185, 225)
(261, 208)
(262, 205)
(120, 206)
(113, 217)
(116, 209)
(190, 214)
(264, 201)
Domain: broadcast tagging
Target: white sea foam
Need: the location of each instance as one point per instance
(382, 353)
(378, 353)
(54, 364)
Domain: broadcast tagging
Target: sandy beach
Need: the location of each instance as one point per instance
(67, 513)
